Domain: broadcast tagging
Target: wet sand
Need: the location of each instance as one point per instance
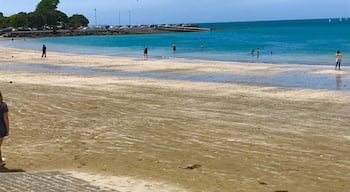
(182, 135)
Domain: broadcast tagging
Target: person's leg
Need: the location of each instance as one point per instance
(1, 162)
(337, 65)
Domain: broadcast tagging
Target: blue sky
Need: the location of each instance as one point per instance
(188, 11)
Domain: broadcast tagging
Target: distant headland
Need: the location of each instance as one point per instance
(105, 30)
(47, 21)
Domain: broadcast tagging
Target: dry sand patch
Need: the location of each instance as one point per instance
(192, 135)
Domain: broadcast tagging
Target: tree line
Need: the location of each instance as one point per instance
(45, 16)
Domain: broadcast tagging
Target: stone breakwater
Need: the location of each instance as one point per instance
(114, 31)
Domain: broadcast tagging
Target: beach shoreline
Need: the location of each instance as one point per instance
(196, 136)
(322, 77)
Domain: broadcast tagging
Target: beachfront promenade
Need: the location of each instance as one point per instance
(46, 181)
(103, 31)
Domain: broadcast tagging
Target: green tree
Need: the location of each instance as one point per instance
(19, 20)
(78, 20)
(50, 18)
(47, 5)
(45, 15)
(36, 20)
(3, 21)
(54, 17)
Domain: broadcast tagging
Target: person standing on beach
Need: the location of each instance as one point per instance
(338, 57)
(145, 52)
(4, 126)
(44, 51)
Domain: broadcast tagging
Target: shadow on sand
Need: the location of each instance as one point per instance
(7, 170)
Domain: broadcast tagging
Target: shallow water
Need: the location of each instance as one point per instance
(291, 79)
(312, 42)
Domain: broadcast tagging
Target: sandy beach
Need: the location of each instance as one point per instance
(175, 135)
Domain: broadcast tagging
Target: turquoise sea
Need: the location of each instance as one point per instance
(310, 43)
(297, 41)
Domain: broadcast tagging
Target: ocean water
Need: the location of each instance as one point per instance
(311, 42)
